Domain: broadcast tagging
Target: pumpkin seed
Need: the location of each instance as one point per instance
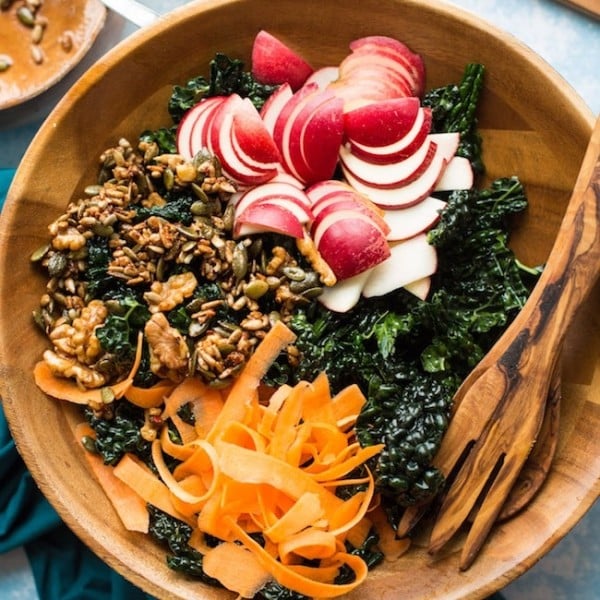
(310, 280)
(89, 443)
(294, 273)
(107, 395)
(5, 62)
(169, 178)
(26, 17)
(256, 288)
(39, 253)
(239, 263)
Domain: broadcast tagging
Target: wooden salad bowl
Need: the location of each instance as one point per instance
(533, 125)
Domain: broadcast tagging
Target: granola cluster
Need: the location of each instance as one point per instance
(164, 225)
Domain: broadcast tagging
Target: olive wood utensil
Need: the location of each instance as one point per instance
(538, 463)
(500, 406)
(534, 471)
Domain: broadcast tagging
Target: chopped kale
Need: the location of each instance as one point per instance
(121, 434)
(99, 283)
(410, 356)
(164, 137)
(227, 76)
(177, 209)
(118, 334)
(175, 535)
(454, 109)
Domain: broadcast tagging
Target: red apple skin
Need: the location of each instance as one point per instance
(260, 218)
(253, 138)
(221, 145)
(321, 140)
(381, 123)
(350, 243)
(393, 47)
(191, 136)
(393, 175)
(274, 62)
(346, 203)
(274, 104)
(379, 68)
(402, 148)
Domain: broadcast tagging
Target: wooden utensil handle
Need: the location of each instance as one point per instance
(571, 271)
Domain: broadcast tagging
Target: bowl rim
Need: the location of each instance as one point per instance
(84, 84)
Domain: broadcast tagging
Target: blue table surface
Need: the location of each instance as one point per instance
(570, 42)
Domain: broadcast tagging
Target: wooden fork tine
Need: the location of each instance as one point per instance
(496, 443)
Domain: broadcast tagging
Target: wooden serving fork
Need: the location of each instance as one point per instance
(500, 405)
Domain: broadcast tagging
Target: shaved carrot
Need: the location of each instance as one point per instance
(267, 462)
(131, 471)
(151, 397)
(234, 409)
(236, 568)
(392, 546)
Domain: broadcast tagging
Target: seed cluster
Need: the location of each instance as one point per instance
(165, 262)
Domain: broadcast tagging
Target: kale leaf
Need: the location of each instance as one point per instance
(227, 76)
(175, 535)
(454, 109)
(121, 434)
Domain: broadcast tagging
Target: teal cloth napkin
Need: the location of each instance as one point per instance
(63, 567)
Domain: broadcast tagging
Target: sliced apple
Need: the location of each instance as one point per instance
(401, 148)
(323, 76)
(409, 261)
(457, 175)
(350, 243)
(268, 191)
(274, 104)
(391, 175)
(268, 217)
(404, 196)
(345, 294)
(251, 140)
(192, 131)
(405, 223)
(321, 189)
(381, 123)
(419, 288)
(388, 46)
(220, 143)
(275, 63)
(344, 203)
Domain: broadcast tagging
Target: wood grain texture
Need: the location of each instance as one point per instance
(129, 87)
